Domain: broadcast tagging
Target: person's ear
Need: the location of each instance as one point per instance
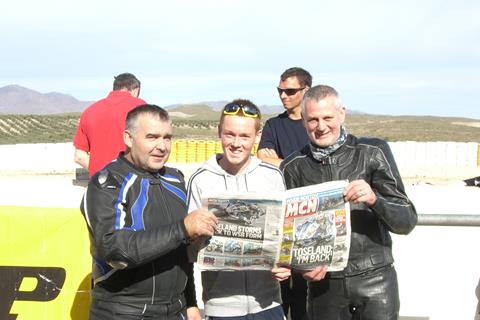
(258, 135)
(342, 113)
(128, 138)
(135, 92)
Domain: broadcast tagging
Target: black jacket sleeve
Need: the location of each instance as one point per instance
(290, 176)
(392, 207)
(120, 247)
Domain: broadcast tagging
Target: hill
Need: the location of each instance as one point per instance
(218, 105)
(193, 112)
(27, 116)
(200, 122)
(15, 99)
(20, 100)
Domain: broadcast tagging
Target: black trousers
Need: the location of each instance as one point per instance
(294, 297)
(106, 310)
(368, 296)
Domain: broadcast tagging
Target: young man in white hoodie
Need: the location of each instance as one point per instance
(238, 295)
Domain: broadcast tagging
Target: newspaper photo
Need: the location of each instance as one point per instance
(316, 227)
(302, 228)
(248, 233)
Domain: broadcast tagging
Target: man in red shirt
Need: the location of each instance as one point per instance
(99, 136)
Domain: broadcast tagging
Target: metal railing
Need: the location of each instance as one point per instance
(450, 220)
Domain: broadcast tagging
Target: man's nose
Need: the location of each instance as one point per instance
(236, 141)
(160, 145)
(321, 125)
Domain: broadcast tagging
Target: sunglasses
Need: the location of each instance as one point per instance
(289, 91)
(248, 111)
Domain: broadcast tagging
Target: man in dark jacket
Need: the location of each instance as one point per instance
(136, 213)
(367, 287)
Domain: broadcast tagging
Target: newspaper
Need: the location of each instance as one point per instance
(302, 228)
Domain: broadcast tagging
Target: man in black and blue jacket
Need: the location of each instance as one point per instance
(136, 213)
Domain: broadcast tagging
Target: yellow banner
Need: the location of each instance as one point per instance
(45, 264)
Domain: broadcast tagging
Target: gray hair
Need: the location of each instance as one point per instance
(150, 109)
(321, 92)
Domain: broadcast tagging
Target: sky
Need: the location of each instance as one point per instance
(383, 57)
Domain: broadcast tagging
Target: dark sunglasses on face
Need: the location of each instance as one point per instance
(248, 111)
(289, 91)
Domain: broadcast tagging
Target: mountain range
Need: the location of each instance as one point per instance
(15, 99)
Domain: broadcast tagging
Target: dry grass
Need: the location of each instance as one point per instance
(410, 128)
(61, 128)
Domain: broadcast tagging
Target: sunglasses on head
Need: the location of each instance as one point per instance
(289, 91)
(248, 111)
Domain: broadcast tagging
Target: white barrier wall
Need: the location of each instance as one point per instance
(37, 158)
(436, 159)
(414, 159)
(438, 266)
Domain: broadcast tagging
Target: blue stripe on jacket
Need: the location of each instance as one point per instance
(175, 190)
(139, 206)
(118, 204)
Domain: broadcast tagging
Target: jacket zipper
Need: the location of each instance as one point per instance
(167, 210)
(165, 204)
(153, 281)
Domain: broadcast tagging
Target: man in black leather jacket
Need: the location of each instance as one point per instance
(367, 288)
(137, 218)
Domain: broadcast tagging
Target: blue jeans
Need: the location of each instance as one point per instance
(275, 313)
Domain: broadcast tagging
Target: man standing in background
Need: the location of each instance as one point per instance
(284, 134)
(281, 136)
(99, 136)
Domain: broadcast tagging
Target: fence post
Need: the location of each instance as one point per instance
(478, 155)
